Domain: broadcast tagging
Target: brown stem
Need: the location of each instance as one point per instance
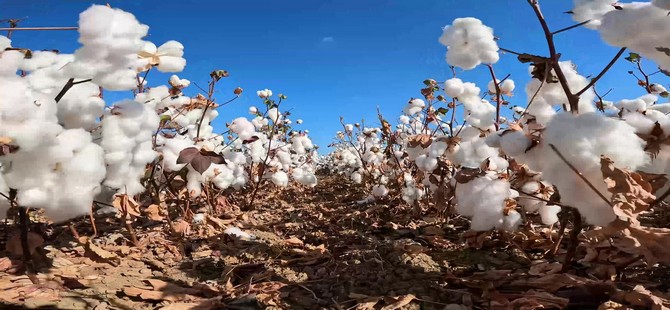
(73, 230)
(37, 28)
(67, 87)
(574, 239)
(602, 73)
(95, 228)
(573, 100)
(127, 222)
(561, 234)
(498, 95)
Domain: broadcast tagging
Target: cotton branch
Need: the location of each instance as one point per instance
(498, 95)
(602, 73)
(573, 100)
(67, 87)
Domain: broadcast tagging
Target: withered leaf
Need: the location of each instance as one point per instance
(200, 160)
(466, 174)
(422, 140)
(400, 302)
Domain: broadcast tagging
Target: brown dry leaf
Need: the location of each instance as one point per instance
(131, 206)
(422, 140)
(293, 241)
(153, 212)
(543, 268)
(553, 282)
(631, 194)
(399, 302)
(5, 263)
(640, 296)
(96, 251)
(539, 300)
(14, 247)
(181, 228)
(218, 223)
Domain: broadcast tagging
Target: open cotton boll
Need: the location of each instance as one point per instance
(280, 178)
(425, 163)
(414, 106)
(514, 143)
(357, 178)
(81, 107)
(5, 42)
(175, 81)
(483, 199)
(507, 86)
(492, 86)
(582, 139)
(549, 214)
(265, 93)
(111, 40)
(640, 26)
(243, 128)
(469, 43)
(304, 177)
(453, 87)
(379, 191)
(38, 60)
(592, 11)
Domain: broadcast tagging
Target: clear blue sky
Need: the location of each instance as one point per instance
(331, 58)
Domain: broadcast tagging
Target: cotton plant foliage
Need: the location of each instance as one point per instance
(493, 169)
(61, 156)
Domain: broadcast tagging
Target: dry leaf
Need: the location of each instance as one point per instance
(293, 241)
(400, 302)
(153, 212)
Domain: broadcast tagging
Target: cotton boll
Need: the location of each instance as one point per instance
(4, 43)
(507, 86)
(414, 106)
(511, 221)
(404, 119)
(469, 43)
(253, 110)
(549, 214)
(357, 178)
(492, 86)
(592, 11)
(514, 143)
(266, 93)
(483, 199)
(379, 191)
(638, 26)
(426, 164)
(582, 140)
(453, 87)
(280, 178)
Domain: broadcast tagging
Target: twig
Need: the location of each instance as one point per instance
(498, 95)
(573, 100)
(600, 75)
(571, 27)
(581, 176)
(67, 87)
(37, 28)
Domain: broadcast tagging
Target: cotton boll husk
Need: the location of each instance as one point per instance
(549, 214)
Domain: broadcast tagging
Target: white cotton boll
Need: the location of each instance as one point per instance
(507, 86)
(81, 107)
(404, 119)
(348, 128)
(171, 64)
(253, 110)
(280, 178)
(514, 143)
(641, 123)
(469, 43)
(235, 231)
(171, 48)
(243, 128)
(492, 86)
(582, 140)
(4, 43)
(414, 106)
(483, 199)
(265, 93)
(379, 191)
(38, 60)
(657, 88)
(357, 178)
(663, 108)
(511, 221)
(298, 121)
(635, 105)
(274, 115)
(592, 10)
(453, 87)
(549, 214)
(437, 148)
(175, 81)
(425, 163)
(640, 26)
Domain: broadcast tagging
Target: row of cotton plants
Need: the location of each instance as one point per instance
(63, 146)
(454, 148)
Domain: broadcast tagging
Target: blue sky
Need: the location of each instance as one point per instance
(331, 58)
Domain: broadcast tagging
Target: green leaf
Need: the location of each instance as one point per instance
(442, 111)
(282, 97)
(664, 94)
(633, 57)
(166, 118)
